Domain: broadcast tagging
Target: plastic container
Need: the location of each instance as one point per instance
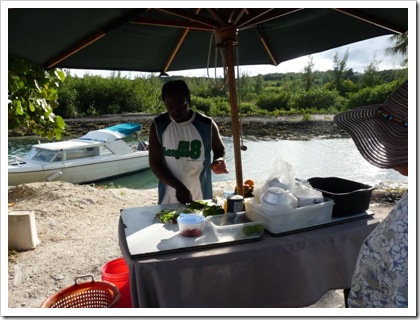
(235, 203)
(350, 197)
(116, 272)
(191, 225)
(292, 219)
(225, 229)
(228, 190)
(93, 294)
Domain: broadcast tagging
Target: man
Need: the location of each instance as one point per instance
(380, 133)
(180, 145)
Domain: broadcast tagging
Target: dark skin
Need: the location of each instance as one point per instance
(178, 109)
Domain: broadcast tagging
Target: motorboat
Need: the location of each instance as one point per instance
(97, 155)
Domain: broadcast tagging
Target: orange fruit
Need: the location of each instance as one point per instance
(250, 182)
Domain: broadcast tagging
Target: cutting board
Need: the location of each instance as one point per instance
(146, 236)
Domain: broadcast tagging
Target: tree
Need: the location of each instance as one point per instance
(370, 77)
(339, 71)
(308, 74)
(340, 67)
(259, 84)
(32, 96)
(400, 46)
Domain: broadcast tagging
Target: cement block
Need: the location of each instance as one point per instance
(22, 230)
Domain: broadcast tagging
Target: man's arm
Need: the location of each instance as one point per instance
(218, 165)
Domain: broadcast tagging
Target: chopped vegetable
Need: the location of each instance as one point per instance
(199, 205)
(170, 216)
(166, 216)
(213, 210)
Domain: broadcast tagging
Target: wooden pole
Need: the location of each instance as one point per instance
(235, 117)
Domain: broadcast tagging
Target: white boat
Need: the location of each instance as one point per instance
(98, 155)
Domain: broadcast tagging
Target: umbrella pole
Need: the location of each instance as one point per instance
(235, 117)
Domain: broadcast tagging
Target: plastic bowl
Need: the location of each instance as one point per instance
(274, 195)
(191, 225)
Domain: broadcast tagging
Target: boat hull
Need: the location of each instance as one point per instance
(79, 171)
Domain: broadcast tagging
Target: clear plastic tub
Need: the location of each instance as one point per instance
(191, 225)
(293, 219)
(234, 226)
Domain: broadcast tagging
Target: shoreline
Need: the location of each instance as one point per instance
(290, 127)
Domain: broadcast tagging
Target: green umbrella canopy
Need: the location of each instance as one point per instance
(146, 39)
(162, 40)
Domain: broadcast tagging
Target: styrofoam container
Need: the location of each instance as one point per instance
(292, 219)
(229, 230)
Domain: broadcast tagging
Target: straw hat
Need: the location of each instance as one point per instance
(380, 132)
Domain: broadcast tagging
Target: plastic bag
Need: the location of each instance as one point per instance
(305, 194)
(281, 176)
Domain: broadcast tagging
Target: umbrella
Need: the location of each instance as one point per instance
(169, 39)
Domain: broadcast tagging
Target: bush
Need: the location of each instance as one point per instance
(220, 107)
(203, 105)
(319, 99)
(248, 108)
(306, 117)
(96, 95)
(271, 102)
(370, 96)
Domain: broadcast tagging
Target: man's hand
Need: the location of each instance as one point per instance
(219, 166)
(183, 195)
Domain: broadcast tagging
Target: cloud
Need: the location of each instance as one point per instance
(361, 54)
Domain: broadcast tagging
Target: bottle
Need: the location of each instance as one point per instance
(228, 191)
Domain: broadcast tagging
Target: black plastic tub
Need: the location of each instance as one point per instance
(349, 197)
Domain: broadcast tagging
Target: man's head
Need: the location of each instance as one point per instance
(176, 88)
(176, 97)
(380, 132)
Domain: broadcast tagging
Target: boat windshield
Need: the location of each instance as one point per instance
(43, 155)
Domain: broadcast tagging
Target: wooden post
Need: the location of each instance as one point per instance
(235, 117)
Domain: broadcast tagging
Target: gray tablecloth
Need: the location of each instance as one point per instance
(287, 271)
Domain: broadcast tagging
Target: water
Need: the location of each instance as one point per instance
(313, 158)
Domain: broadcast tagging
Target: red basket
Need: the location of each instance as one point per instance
(93, 294)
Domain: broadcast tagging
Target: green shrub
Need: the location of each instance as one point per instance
(317, 98)
(306, 117)
(221, 107)
(201, 104)
(371, 95)
(248, 108)
(271, 102)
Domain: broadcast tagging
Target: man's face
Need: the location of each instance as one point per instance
(177, 108)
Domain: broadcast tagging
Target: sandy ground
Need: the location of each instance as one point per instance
(77, 227)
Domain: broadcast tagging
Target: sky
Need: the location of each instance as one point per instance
(361, 54)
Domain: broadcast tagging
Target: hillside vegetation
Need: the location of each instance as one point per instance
(271, 94)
